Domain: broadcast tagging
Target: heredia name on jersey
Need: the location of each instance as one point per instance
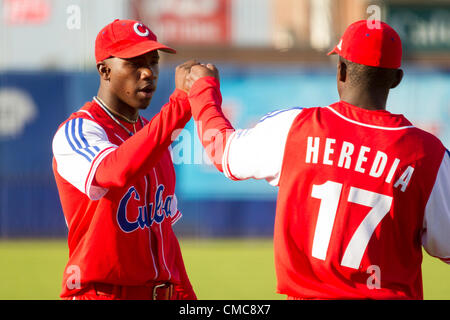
(147, 214)
(349, 157)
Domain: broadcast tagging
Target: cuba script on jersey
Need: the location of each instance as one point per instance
(147, 214)
(348, 157)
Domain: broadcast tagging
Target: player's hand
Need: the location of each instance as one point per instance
(181, 73)
(202, 70)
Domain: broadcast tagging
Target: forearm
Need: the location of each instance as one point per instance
(141, 152)
(214, 128)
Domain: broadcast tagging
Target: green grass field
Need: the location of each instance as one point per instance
(219, 269)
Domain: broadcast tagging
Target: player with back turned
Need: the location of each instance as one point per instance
(361, 190)
(116, 178)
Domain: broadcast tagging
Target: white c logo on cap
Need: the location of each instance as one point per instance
(138, 32)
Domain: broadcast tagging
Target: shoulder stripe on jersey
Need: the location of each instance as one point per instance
(83, 139)
(70, 135)
(277, 112)
(448, 152)
(75, 138)
(367, 125)
(77, 141)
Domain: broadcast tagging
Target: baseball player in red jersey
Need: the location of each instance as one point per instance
(361, 190)
(116, 179)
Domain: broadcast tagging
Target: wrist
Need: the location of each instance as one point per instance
(180, 98)
(203, 83)
(179, 94)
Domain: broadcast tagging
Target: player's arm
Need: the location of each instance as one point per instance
(139, 153)
(436, 224)
(79, 145)
(90, 162)
(213, 127)
(242, 154)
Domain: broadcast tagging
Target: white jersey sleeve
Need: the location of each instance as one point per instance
(78, 147)
(436, 224)
(258, 152)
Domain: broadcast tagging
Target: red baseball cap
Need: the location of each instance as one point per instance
(371, 44)
(126, 39)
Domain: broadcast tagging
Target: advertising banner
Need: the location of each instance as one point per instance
(187, 22)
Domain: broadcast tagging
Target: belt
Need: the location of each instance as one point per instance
(161, 291)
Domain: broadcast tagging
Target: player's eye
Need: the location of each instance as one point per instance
(133, 62)
(145, 64)
(131, 65)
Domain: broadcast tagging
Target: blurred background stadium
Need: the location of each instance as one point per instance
(271, 55)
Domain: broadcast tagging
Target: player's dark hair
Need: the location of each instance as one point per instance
(369, 77)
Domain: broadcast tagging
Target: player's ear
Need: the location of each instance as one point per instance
(398, 78)
(103, 70)
(342, 71)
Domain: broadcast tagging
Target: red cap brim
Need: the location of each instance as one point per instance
(141, 48)
(334, 51)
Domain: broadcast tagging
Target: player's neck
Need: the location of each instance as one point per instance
(365, 99)
(118, 107)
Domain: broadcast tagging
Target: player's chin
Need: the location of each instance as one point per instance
(143, 99)
(142, 103)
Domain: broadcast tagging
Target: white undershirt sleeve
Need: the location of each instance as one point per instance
(258, 152)
(78, 147)
(436, 222)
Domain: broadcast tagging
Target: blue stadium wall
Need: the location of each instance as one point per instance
(211, 204)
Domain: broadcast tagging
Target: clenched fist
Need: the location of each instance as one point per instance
(181, 73)
(199, 71)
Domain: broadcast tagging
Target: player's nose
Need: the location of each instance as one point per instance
(148, 73)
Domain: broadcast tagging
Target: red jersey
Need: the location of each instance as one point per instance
(360, 193)
(350, 211)
(117, 191)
